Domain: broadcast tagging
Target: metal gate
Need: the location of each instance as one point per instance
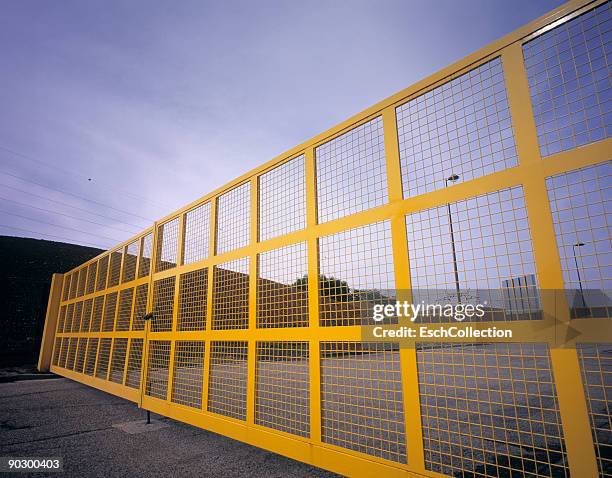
(262, 290)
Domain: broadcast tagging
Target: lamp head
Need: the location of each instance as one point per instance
(453, 177)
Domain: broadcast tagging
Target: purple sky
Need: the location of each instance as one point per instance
(161, 102)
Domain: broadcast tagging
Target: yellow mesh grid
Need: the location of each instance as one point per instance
(157, 369)
(227, 384)
(282, 287)
(118, 360)
(64, 352)
(86, 318)
(134, 364)
(129, 262)
(61, 319)
(68, 320)
(282, 387)
(192, 300)
(56, 350)
(167, 245)
(351, 172)
(71, 354)
(490, 410)
(76, 318)
(124, 313)
(92, 352)
(96, 316)
(163, 304)
(103, 358)
(110, 309)
(188, 373)
(197, 234)
(79, 365)
(356, 272)
(102, 273)
(145, 255)
(140, 306)
(73, 285)
(115, 268)
(82, 279)
(66, 287)
(362, 407)
(596, 368)
(231, 295)
(282, 199)
(91, 277)
(234, 219)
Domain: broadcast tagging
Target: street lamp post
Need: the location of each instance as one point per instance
(574, 246)
(452, 178)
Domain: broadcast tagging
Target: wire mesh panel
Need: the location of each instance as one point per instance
(76, 318)
(188, 373)
(192, 300)
(227, 384)
(362, 405)
(461, 128)
(355, 273)
(115, 268)
(351, 172)
(167, 245)
(61, 319)
(56, 351)
(596, 368)
(86, 318)
(110, 308)
(490, 410)
(163, 304)
(82, 280)
(64, 352)
(282, 387)
(140, 306)
(158, 364)
(124, 312)
(73, 285)
(129, 262)
(91, 277)
(72, 349)
(580, 203)
(102, 273)
(144, 267)
(282, 287)
(197, 234)
(103, 358)
(570, 79)
(282, 199)
(68, 319)
(79, 365)
(92, 353)
(66, 287)
(118, 360)
(134, 364)
(234, 219)
(231, 295)
(475, 250)
(96, 315)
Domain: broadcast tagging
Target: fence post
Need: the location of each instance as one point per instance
(48, 336)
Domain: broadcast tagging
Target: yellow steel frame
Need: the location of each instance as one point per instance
(530, 173)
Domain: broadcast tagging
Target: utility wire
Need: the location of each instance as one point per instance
(79, 175)
(99, 236)
(139, 228)
(76, 196)
(97, 246)
(63, 214)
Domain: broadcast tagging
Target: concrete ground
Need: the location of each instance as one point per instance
(58, 417)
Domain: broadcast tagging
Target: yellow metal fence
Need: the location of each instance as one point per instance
(261, 291)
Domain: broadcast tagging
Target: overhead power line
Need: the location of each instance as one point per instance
(98, 246)
(138, 228)
(64, 214)
(76, 196)
(81, 176)
(99, 236)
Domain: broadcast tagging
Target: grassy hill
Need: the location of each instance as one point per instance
(26, 266)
